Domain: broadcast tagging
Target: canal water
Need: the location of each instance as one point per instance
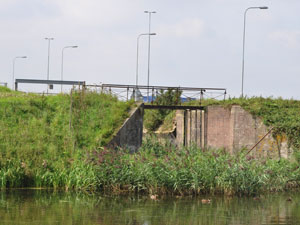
(45, 207)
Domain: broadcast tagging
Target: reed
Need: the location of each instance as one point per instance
(190, 171)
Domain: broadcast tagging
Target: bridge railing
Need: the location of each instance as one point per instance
(148, 94)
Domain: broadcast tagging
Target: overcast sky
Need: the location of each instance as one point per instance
(198, 43)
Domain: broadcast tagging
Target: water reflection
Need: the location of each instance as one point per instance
(44, 207)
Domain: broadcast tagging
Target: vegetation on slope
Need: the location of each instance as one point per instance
(154, 118)
(4, 89)
(44, 140)
(55, 141)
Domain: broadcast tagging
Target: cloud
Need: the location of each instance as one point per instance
(187, 28)
(290, 39)
(97, 12)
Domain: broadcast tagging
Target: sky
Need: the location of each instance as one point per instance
(198, 43)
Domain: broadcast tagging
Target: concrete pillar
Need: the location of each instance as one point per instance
(198, 128)
(193, 125)
(180, 127)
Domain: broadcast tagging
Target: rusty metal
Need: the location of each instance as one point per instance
(260, 140)
(173, 107)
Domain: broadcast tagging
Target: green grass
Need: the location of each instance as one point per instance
(57, 142)
(163, 169)
(4, 89)
(44, 139)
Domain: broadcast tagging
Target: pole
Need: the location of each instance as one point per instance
(13, 71)
(48, 66)
(148, 79)
(244, 42)
(62, 68)
(62, 63)
(243, 62)
(149, 58)
(13, 75)
(137, 59)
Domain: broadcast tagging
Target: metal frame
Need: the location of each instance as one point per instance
(3, 84)
(49, 82)
(189, 92)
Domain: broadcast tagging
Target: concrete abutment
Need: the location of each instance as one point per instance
(216, 127)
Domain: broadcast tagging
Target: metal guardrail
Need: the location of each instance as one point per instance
(140, 92)
(3, 84)
(49, 82)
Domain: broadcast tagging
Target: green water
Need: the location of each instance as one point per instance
(44, 207)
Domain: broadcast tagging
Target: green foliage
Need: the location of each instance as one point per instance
(154, 118)
(4, 89)
(42, 137)
(164, 169)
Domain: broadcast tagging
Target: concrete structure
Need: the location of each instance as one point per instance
(215, 127)
(130, 134)
(229, 128)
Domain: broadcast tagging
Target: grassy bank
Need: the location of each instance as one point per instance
(57, 142)
(44, 140)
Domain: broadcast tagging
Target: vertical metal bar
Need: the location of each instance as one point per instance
(148, 82)
(190, 128)
(152, 95)
(185, 128)
(127, 94)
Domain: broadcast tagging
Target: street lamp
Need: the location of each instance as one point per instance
(13, 73)
(137, 55)
(244, 39)
(48, 39)
(137, 59)
(62, 62)
(149, 13)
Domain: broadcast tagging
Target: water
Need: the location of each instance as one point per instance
(44, 207)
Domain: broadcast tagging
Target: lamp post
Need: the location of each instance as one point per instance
(149, 13)
(137, 56)
(137, 59)
(62, 63)
(49, 40)
(244, 40)
(13, 72)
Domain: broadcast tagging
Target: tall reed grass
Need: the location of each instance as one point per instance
(190, 171)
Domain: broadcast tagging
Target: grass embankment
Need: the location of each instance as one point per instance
(56, 141)
(44, 140)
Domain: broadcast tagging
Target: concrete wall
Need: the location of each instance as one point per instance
(130, 134)
(218, 127)
(219, 133)
(230, 128)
